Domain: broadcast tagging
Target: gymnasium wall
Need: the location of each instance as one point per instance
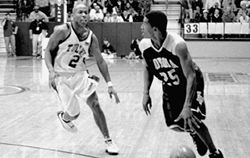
(23, 41)
(121, 34)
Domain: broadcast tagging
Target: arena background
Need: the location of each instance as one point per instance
(121, 34)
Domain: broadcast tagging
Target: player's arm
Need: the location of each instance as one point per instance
(102, 65)
(59, 34)
(189, 72)
(148, 79)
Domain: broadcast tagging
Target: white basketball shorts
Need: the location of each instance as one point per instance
(74, 86)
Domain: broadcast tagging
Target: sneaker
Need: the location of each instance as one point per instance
(68, 125)
(111, 148)
(201, 147)
(217, 154)
(38, 56)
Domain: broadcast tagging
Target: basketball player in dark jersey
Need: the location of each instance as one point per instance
(68, 47)
(167, 58)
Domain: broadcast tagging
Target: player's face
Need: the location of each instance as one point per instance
(81, 15)
(146, 29)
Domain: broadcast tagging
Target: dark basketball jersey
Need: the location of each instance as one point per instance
(165, 64)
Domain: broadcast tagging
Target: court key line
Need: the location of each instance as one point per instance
(48, 149)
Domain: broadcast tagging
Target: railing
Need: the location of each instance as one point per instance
(232, 31)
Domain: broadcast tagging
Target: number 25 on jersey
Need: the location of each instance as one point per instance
(170, 77)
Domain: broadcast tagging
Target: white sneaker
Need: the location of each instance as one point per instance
(69, 126)
(111, 148)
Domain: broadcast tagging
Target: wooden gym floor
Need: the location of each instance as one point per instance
(29, 127)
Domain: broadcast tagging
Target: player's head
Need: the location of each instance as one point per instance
(154, 21)
(80, 14)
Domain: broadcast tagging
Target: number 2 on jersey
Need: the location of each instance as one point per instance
(74, 61)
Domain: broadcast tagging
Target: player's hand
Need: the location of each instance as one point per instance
(52, 76)
(147, 103)
(111, 92)
(189, 119)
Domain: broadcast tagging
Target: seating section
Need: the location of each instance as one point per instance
(222, 29)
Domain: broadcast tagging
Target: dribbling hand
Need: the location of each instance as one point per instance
(189, 119)
(111, 92)
(147, 103)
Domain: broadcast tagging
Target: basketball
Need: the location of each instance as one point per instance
(182, 152)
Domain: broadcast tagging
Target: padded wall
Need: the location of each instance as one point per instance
(120, 36)
(23, 41)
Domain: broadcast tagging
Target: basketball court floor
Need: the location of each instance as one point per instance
(29, 127)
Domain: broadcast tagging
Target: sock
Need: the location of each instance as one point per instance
(215, 152)
(107, 139)
(64, 119)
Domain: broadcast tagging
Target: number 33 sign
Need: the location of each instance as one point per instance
(192, 28)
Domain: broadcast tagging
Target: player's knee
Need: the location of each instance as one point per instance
(95, 106)
(93, 102)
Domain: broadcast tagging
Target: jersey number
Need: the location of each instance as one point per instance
(170, 77)
(74, 61)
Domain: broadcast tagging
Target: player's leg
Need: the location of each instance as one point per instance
(100, 120)
(204, 135)
(69, 107)
(201, 136)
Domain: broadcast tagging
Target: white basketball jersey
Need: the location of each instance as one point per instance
(72, 53)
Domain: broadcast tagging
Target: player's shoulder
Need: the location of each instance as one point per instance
(144, 44)
(174, 37)
(62, 28)
(62, 31)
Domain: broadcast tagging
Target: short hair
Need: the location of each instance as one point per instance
(157, 19)
(77, 4)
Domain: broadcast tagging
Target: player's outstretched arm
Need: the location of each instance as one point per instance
(189, 72)
(58, 35)
(102, 65)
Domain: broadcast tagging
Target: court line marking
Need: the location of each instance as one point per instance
(19, 89)
(48, 149)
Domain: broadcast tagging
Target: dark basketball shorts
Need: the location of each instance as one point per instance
(173, 105)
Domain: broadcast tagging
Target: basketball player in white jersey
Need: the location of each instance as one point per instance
(68, 47)
(167, 58)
